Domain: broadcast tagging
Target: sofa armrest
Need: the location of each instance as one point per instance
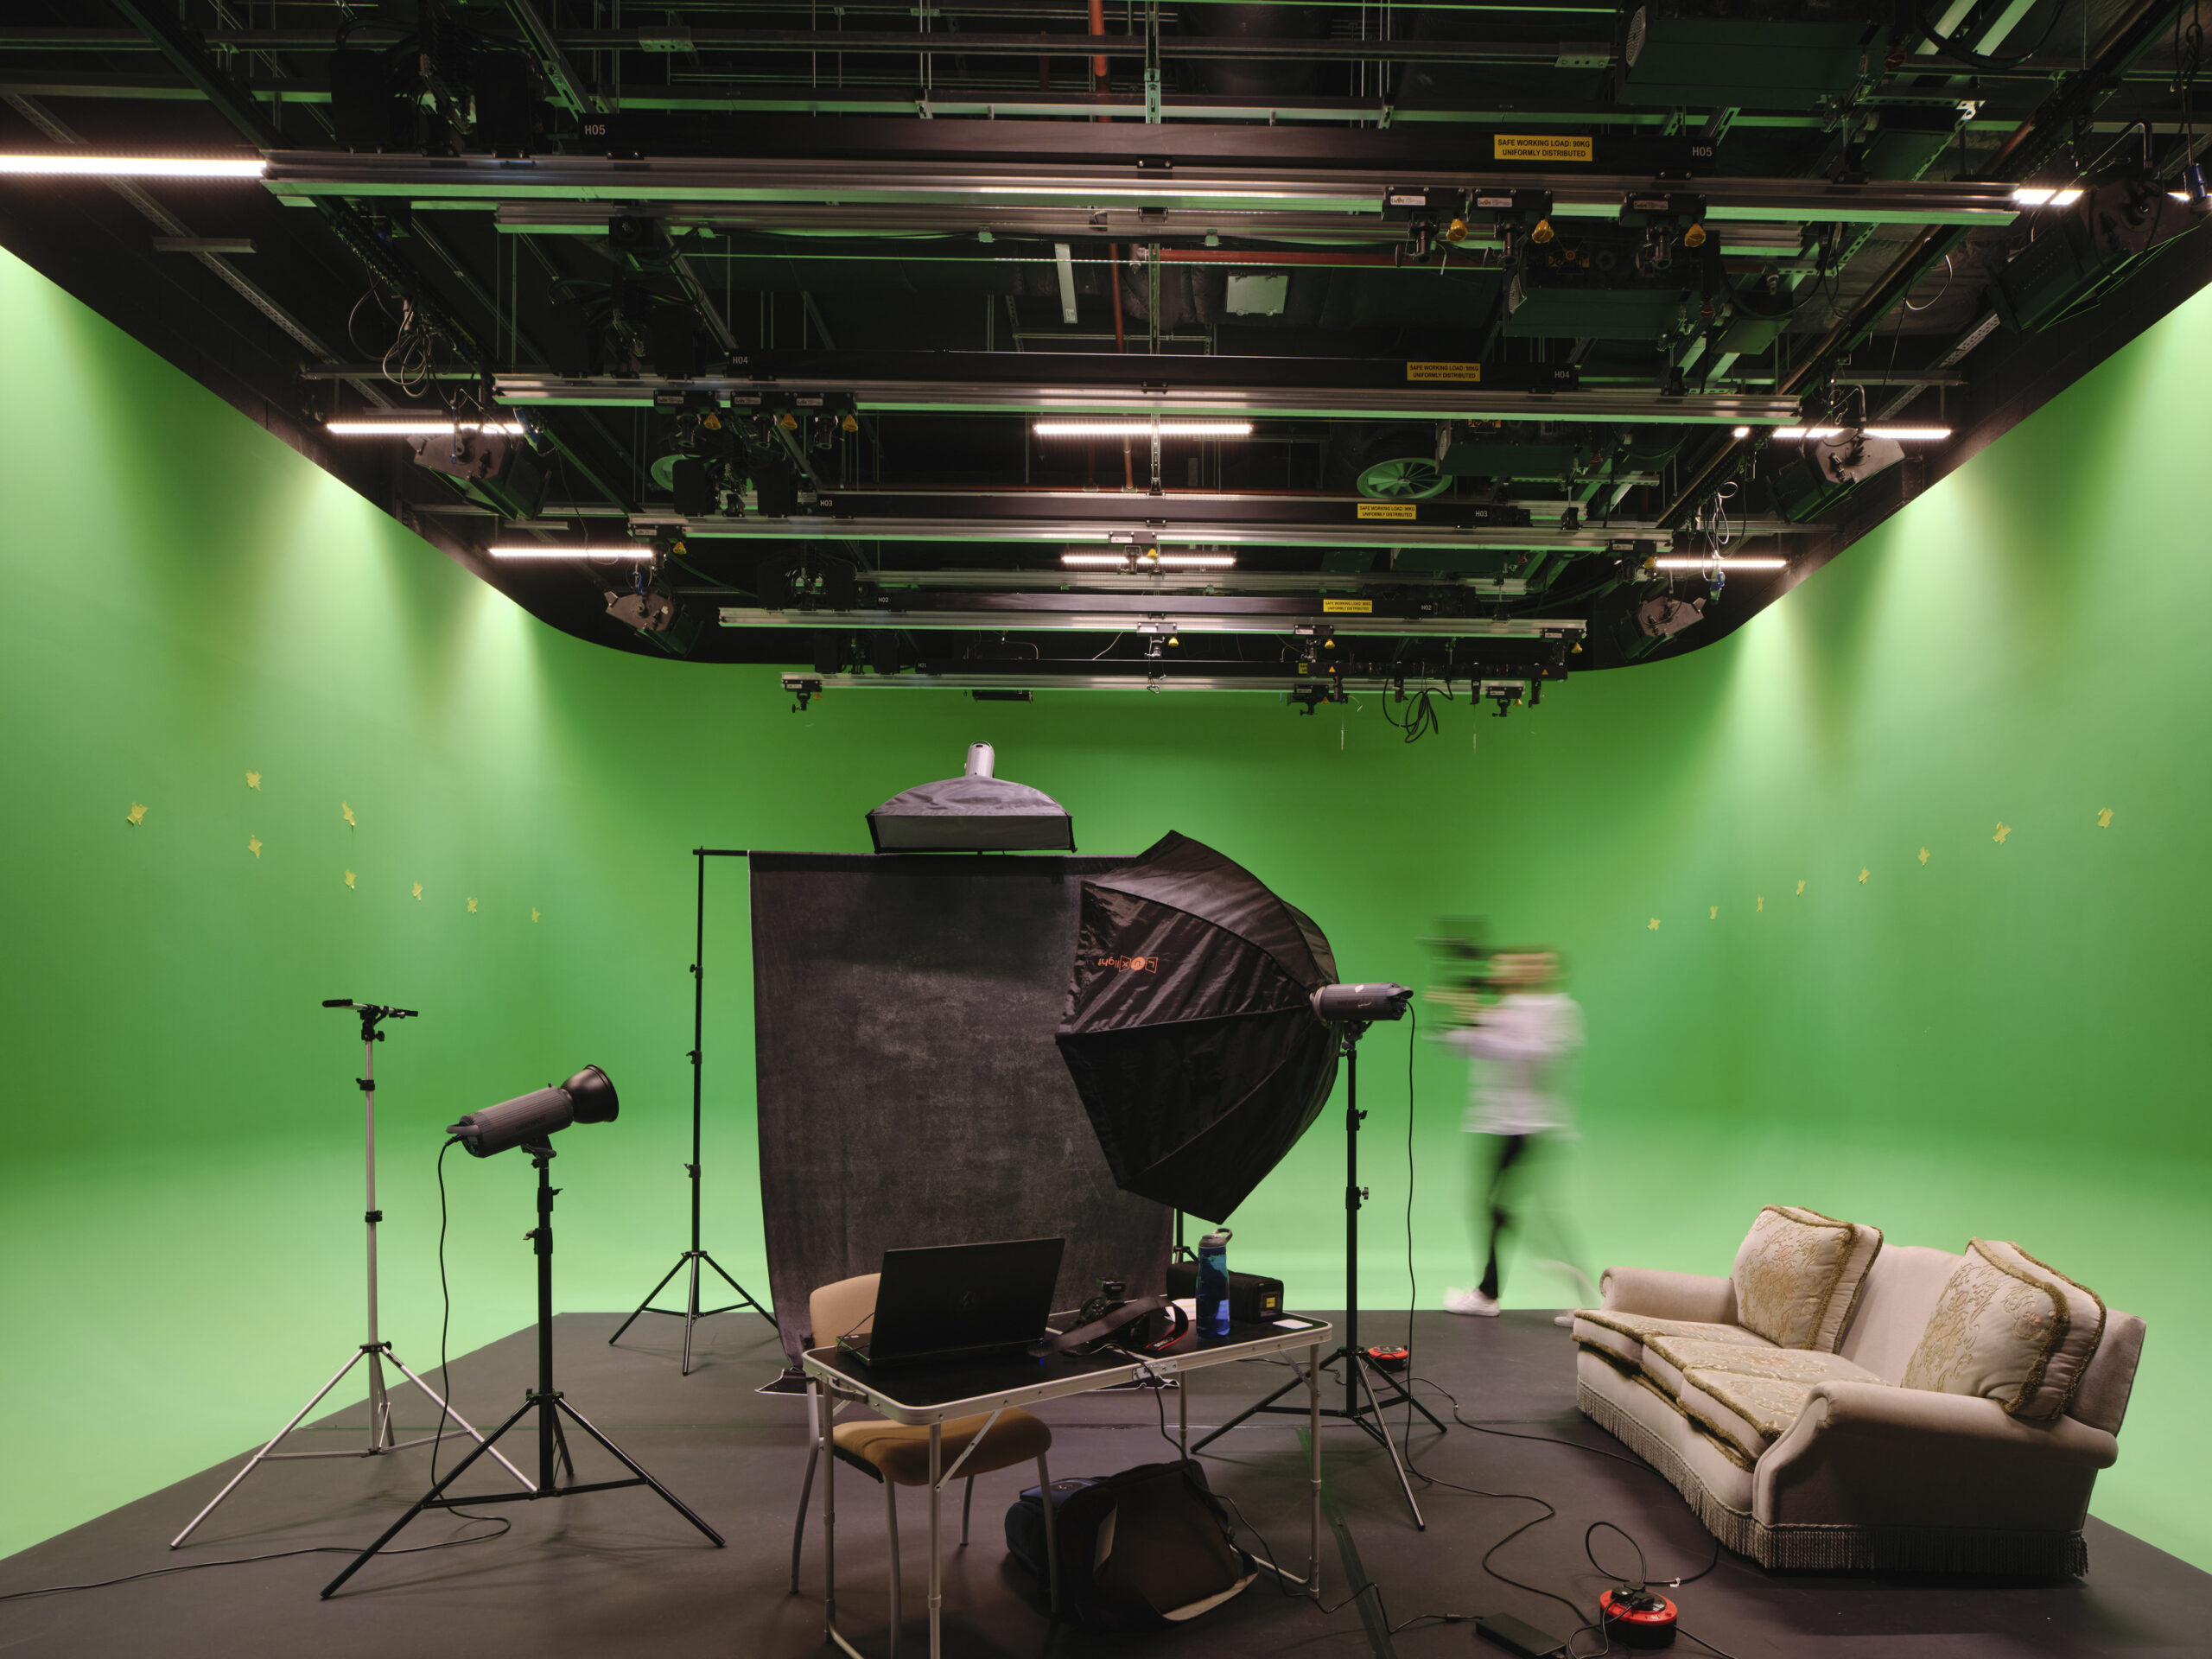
(1660, 1295)
(1868, 1454)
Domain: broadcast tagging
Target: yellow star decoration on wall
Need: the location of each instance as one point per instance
(253, 780)
(1801, 888)
(1716, 914)
(2104, 819)
(137, 814)
(1654, 924)
(1863, 874)
(418, 889)
(533, 912)
(2002, 831)
(345, 812)
(349, 878)
(253, 845)
(471, 907)
(1923, 855)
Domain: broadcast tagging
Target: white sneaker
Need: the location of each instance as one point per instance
(1471, 1301)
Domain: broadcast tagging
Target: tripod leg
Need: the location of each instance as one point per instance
(1380, 1430)
(1248, 1412)
(423, 1501)
(752, 1300)
(691, 1310)
(561, 1449)
(466, 1426)
(623, 1458)
(648, 1302)
(256, 1458)
(1400, 1394)
(381, 1438)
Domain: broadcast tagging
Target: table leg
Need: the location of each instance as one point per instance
(829, 1517)
(1314, 1436)
(1183, 1411)
(936, 1502)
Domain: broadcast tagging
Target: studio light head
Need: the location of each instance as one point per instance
(1382, 1000)
(530, 1119)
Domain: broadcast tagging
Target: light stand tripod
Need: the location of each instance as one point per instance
(1362, 1407)
(546, 1401)
(375, 1350)
(689, 1262)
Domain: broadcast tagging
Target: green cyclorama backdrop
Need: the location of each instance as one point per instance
(1849, 921)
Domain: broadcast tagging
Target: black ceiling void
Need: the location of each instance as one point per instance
(1306, 349)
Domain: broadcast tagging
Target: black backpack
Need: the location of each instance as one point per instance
(1147, 1548)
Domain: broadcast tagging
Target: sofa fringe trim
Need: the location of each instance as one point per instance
(1843, 1549)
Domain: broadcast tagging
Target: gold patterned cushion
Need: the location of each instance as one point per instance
(1749, 1413)
(1798, 1274)
(1800, 1365)
(2009, 1329)
(1622, 1335)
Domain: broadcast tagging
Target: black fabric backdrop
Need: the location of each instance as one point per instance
(910, 1089)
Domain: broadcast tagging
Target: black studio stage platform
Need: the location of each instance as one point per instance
(619, 1573)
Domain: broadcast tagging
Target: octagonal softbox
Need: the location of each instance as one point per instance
(1189, 1029)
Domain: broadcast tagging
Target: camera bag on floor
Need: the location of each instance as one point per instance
(1143, 1548)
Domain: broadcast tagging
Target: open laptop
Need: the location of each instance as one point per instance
(959, 1302)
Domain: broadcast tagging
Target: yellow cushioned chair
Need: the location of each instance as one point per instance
(898, 1454)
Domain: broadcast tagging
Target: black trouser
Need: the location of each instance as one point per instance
(1508, 1149)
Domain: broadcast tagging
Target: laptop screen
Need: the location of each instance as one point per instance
(954, 1298)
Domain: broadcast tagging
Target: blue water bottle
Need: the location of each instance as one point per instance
(1213, 1284)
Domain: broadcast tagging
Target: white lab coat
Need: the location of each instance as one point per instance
(1527, 1046)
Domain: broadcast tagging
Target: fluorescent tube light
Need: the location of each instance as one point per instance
(1726, 564)
(1147, 562)
(1741, 432)
(74, 164)
(569, 551)
(2037, 196)
(1897, 434)
(1168, 428)
(404, 428)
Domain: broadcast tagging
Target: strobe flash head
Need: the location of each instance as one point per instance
(1380, 1000)
(530, 1119)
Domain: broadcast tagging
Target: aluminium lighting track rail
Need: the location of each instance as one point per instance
(483, 181)
(1017, 679)
(1192, 616)
(1419, 402)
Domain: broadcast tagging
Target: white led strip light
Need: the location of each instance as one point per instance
(72, 165)
(1166, 429)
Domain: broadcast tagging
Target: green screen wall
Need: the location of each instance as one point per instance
(1849, 920)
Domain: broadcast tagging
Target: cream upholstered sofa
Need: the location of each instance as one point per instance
(1933, 1412)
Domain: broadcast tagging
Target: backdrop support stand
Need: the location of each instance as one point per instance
(1363, 1407)
(550, 1408)
(383, 1440)
(689, 1262)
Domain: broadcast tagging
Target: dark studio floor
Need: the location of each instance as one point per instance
(619, 1573)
